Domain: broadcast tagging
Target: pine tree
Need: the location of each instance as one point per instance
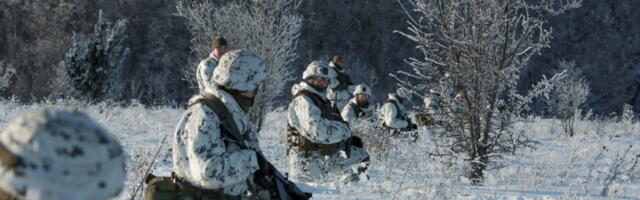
(91, 67)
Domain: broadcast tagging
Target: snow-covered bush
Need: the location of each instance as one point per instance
(7, 73)
(271, 29)
(483, 46)
(91, 67)
(375, 138)
(568, 95)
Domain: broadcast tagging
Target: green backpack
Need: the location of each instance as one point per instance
(169, 188)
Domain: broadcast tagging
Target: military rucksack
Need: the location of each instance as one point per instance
(400, 114)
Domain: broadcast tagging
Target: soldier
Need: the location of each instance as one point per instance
(206, 66)
(58, 154)
(359, 106)
(431, 103)
(393, 112)
(357, 109)
(431, 109)
(458, 101)
(215, 150)
(339, 93)
(318, 137)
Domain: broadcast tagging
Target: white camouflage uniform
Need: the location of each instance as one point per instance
(305, 117)
(389, 111)
(431, 103)
(350, 111)
(339, 98)
(205, 72)
(63, 155)
(200, 154)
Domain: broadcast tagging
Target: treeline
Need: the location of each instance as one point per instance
(36, 35)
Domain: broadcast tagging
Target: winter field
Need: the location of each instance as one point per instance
(601, 156)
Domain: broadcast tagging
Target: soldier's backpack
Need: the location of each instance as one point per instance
(399, 114)
(172, 188)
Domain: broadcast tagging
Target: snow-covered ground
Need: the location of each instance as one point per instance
(560, 167)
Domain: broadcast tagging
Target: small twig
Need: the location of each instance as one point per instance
(614, 171)
(403, 178)
(146, 173)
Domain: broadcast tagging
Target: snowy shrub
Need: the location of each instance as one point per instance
(91, 68)
(478, 49)
(568, 95)
(374, 137)
(7, 73)
(270, 29)
(601, 122)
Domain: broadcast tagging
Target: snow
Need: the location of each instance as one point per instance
(560, 167)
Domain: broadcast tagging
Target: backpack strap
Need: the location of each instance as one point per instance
(218, 107)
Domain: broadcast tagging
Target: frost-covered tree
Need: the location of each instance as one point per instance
(483, 46)
(91, 68)
(34, 35)
(568, 95)
(268, 28)
(7, 73)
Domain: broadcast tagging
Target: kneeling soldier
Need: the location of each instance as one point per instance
(359, 106)
(357, 112)
(215, 149)
(319, 140)
(394, 116)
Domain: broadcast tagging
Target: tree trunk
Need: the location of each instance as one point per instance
(478, 164)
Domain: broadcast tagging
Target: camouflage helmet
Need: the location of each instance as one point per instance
(60, 154)
(319, 69)
(403, 93)
(240, 70)
(362, 89)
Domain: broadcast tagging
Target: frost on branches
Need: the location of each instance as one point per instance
(481, 46)
(91, 68)
(270, 29)
(567, 96)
